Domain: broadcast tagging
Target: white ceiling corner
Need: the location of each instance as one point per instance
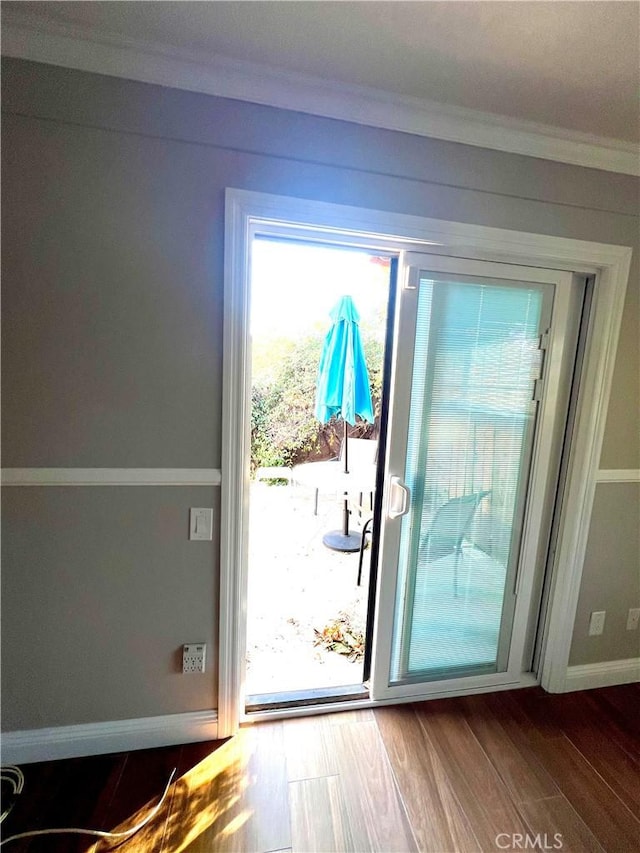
(56, 42)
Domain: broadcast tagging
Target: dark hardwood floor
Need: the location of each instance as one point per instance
(521, 770)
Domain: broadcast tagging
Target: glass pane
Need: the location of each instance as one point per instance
(468, 457)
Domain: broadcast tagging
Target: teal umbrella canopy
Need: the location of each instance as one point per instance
(343, 387)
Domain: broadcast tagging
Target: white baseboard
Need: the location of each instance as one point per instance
(24, 747)
(605, 674)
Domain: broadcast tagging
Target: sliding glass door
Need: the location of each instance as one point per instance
(472, 417)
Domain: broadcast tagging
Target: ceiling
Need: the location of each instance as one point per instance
(569, 65)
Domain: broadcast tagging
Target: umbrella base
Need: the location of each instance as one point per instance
(337, 540)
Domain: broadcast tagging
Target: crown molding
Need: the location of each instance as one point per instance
(34, 38)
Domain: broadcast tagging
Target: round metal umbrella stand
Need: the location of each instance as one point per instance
(339, 541)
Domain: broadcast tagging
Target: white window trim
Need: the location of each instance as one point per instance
(610, 264)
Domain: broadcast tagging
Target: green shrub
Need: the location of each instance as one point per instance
(284, 430)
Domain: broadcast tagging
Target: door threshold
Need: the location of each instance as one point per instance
(300, 698)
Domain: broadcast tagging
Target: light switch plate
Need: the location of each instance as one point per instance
(596, 623)
(200, 523)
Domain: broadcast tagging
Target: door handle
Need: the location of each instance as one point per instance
(399, 498)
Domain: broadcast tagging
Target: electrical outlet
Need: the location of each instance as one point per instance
(633, 619)
(193, 657)
(596, 623)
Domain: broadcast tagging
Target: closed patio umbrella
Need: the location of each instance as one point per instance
(343, 391)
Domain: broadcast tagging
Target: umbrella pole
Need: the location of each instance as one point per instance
(345, 447)
(345, 453)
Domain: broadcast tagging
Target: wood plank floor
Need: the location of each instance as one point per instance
(520, 770)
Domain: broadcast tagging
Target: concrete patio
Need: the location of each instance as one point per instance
(297, 584)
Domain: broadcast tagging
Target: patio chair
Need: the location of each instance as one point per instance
(448, 529)
(366, 520)
(329, 475)
(446, 533)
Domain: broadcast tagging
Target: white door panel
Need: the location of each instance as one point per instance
(474, 408)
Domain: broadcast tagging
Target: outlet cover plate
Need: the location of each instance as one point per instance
(633, 619)
(193, 657)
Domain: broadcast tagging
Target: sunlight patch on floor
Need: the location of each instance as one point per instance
(206, 799)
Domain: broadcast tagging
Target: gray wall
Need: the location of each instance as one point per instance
(611, 580)
(113, 195)
(101, 587)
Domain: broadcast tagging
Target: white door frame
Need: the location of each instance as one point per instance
(609, 263)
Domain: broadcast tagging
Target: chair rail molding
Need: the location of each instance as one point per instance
(111, 477)
(618, 475)
(249, 213)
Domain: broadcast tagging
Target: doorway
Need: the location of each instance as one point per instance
(249, 214)
(477, 389)
(308, 579)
